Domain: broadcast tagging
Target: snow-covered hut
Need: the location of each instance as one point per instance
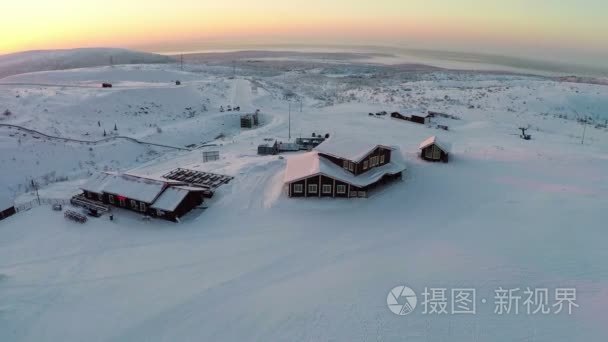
(433, 149)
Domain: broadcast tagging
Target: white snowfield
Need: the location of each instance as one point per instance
(258, 266)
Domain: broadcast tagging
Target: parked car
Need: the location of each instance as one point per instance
(106, 85)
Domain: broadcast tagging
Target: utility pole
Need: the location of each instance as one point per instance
(584, 122)
(35, 186)
(584, 130)
(289, 121)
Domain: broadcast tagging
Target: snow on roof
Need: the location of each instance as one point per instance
(191, 188)
(446, 147)
(311, 164)
(140, 189)
(346, 148)
(98, 182)
(132, 187)
(170, 198)
(154, 177)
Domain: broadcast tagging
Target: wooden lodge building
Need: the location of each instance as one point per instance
(432, 149)
(162, 198)
(342, 168)
(423, 120)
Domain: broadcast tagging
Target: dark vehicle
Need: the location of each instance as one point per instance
(106, 85)
(93, 212)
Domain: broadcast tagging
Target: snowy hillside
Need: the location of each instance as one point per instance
(256, 265)
(32, 61)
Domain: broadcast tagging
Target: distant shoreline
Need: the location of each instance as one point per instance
(436, 58)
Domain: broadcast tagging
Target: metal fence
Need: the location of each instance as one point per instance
(43, 201)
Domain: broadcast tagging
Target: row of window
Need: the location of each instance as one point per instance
(348, 165)
(90, 196)
(134, 205)
(372, 162)
(121, 202)
(313, 188)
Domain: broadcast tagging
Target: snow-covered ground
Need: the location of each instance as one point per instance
(258, 266)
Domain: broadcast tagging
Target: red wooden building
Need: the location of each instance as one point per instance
(163, 198)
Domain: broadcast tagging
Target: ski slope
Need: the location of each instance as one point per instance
(258, 266)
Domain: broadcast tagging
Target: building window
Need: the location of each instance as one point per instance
(142, 207)
(353, 193)
(365, 164)
(134, 204)
(159, 212)
(341, 189)
(312, 188)
(375, 161)
(351, 166)
(100, 197)
(111, 199)
(382, 159)
(121, 202)
(298, 188)
(327, 188)
(345, 164)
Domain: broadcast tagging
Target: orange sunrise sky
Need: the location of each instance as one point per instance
(575, 31)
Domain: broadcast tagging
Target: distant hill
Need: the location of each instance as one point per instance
(45, 60)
